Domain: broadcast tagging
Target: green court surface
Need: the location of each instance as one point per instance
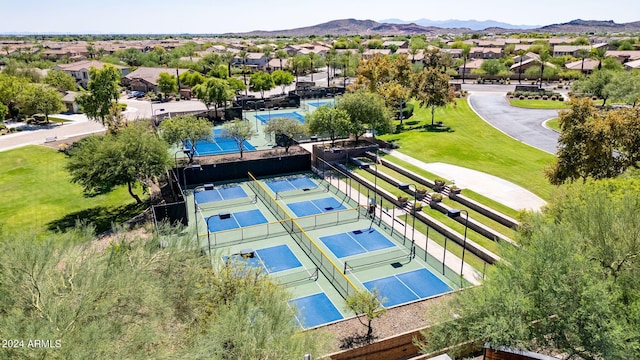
(316, 241)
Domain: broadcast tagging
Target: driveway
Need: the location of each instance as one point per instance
(522, 124)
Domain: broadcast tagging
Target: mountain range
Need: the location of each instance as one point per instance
(469, 24)
(389, 27)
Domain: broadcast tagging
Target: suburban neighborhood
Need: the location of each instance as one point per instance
(348, 190)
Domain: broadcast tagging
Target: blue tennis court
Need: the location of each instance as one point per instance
(218, 144)
(356, 242)
(407, 287)
(221, 222)
(219, 194)
(315, 310)
(318, 206)
(272, 259)
(298, 183)
(289, 115)
(320, 103)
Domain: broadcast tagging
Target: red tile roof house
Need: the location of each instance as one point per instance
(80, 70)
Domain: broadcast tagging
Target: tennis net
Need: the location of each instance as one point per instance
(220, 204)
(297, 276)
(386, 257)
(327, 219)
(300, 192)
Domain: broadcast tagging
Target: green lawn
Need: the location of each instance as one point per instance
(474, 144)
(472, 213)
(37, 195)
(466, 192)
(539, 104)
(553, 123)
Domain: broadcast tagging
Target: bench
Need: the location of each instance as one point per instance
(50, 139)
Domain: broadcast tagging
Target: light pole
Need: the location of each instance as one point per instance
(154, 117)
(184, 170)
(404, 186)
(453, 213)
(375, 191)
(205, 187)
(185, 151)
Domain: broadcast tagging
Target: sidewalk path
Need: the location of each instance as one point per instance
(498, 189)
(38, 137)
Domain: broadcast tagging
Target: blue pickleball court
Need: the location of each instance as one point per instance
(235, 220)
(315, 310)
(356, 242)
(298, 183)
(264, 118)
(272, 259)
(218, 144)
(406, 287)
(318, 206)
(219, 194)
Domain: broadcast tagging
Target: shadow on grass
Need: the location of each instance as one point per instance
(101, 217)
(437, 128)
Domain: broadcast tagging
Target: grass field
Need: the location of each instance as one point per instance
(37, 195)
(539, 104)
(553, 123)
(474, 144)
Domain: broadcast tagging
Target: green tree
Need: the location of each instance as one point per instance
(329, 120)
(599, 53)
(368, 304)
(261, 81)
(60, 80)
(63, 287)
(281, 55)
(285, 128)
(213, 91)
(4, 110)
(132, 155)
(185, 129)
(466, 49)
(167, 84)
(595, 144)
(624, 87)
(191, 79)
(10, 88)
(366, 110)
(236, 85)
(432, 90)
(43, 99)
(493, 67)
(282, 78)
(570, 288)
(103, 90)
(594, 84)
(240, 131)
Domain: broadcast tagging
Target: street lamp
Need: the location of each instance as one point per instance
(404, 186)
(453, 213)
(375, 190)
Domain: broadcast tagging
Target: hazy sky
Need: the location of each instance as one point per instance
(220, 16)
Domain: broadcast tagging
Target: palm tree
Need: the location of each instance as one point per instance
(329, 58)
(243, 55)
(599, 53)
(227, 57)
(521, 55)
(544, 56)
(466, 49)
(583, 54)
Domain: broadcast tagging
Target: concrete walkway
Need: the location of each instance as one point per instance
(498, 189)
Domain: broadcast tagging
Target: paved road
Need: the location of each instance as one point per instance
(522, 124)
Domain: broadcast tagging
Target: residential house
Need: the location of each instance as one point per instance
(471, 65)
(80, 70)
(397, 44)
(587, 66)
(278, 64)
(632, 65)
(146, 78)
(370, 53)
(485, 53)
(624, 55)
(570, 50)
(69, 101)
